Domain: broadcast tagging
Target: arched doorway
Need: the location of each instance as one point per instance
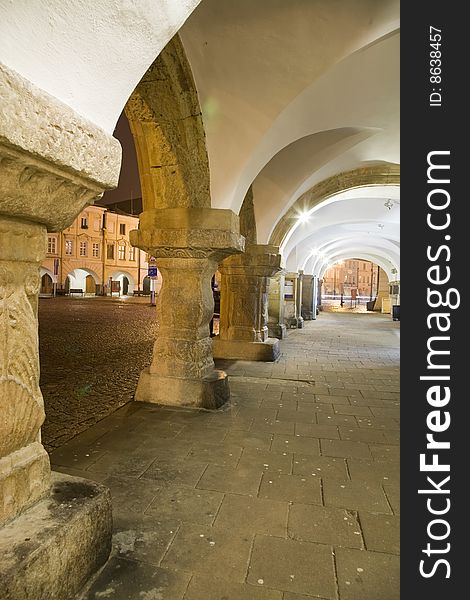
(82, 279)
(146, 285)
(90, 285)
(126, 281)
(47, 284)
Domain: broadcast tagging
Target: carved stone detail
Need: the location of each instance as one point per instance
(24, 466)
(244, 293)
(188, 244)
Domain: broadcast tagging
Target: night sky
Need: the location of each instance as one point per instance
(129, 183)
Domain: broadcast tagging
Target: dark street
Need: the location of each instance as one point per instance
(92, 351)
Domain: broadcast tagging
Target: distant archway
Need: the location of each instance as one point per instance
(82, 279)
(127, 282)
(47, 285)
(146, 285)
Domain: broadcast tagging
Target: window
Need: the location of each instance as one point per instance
(83, 249)
(110, 251)
(68, 247)
(122, 229)
(96, 250)
(96, 224)
(84, 223)
(51, 244)
(111, 226)
(131, 253)
(121, 252)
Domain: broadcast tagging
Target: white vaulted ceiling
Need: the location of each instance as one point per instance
(293, 93)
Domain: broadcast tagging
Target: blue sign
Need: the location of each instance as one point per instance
(152, 271)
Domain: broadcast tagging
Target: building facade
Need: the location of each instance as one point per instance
(94, 256)
(347, 275)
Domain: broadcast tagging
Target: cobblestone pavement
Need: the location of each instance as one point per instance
(92, 350)
(290, 492)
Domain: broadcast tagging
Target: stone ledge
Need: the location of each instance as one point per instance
(51, 550)
(209, 392)
(34, 122)
(267, 351)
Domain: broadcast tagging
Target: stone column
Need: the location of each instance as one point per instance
(290, 306)
(307, 297)
(53, 163)
(276, 324)
(25, 475)
(382, 301)
(244, 305)
(188, 244)
(315, 297)
(298, 300)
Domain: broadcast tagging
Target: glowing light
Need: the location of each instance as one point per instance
(304, 217)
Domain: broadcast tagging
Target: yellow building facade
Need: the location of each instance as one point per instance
(94, 256)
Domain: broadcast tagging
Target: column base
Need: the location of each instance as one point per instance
(278, 331)
(267, 351)
(24, 480)
(53, 548)
(210, 392)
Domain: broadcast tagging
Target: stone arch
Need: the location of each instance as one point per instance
(78, 278)
(46, 282)
(384, 174)
(248, 219)
(121, 276)
(166, 122)
(45, 271)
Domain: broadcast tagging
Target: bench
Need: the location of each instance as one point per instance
(140, 293)
(76, 291)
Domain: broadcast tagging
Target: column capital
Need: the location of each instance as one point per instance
(53, 161)
(260, 260)
(189, 233)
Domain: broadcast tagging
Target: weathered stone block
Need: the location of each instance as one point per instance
(208, 392)
(268, 350)
(50, 550)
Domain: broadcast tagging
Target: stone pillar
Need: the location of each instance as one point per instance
(307, 297)
(290, 305)
(298, 300)
(276, 324)
(24, 464)
(188, 244)
(244, 305)
(382, 301)
(315, 297)
(53, 163)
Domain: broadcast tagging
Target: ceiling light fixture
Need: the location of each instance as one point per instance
(389, 204)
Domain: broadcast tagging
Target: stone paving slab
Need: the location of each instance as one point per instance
(364, 574)
(295, 481)
(222, 553)
(253, 515)
(208, 588)
(324, 525)
(289, 565)
(122, 579)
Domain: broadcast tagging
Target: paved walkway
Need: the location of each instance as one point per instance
(290, 493)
